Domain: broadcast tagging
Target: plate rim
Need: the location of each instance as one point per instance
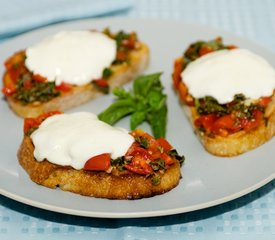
(131, 214)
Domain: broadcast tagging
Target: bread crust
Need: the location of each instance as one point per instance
(114, 185)
(122, 73)
(240, 142)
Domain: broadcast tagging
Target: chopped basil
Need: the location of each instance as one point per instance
(107, 72)
(142, 141)
(39, 91)
(156, 179)
(120, 36)
(193, 52)
(174, 153)
(209, 105)
(158, 164)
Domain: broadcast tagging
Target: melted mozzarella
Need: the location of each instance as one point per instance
(75, 57)
(225, 73)
(72, 139)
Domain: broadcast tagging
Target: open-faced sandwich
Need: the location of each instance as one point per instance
(79, 153)
(228, 95)
(71, 68)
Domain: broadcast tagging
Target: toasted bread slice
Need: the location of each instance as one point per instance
(115, 185)
(149, 167)
(226, 129)
(121, 74)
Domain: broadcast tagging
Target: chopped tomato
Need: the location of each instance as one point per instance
(30, 123)
(264, 101)
(64, 87)
(206, 121)
(100, 162)
(9, 85)
(130, 43)
(146, 150)
(121, 55)
(139, 165)
(7, 91)
(39, 78)
(178, 67)
(184, 96)
(255, 121)
(228, 124)
(27, 84)
(230, 47)
(15, 59)
(205, 50)
(167, 159)
(140, 159)
(135, 150)
(164, 144)
(101, 83)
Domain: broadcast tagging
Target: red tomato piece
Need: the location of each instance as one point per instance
(178, 67)
(255, 122)
(17, 58)
(7, 91)
(140, 159)
(35, 122)
(9, 84)
(135, 150)
(39, 78)
(64, 87)
(121, 55)
(130, 42)
(101, 83)
(264, 101)
(206, 121)
(30, 123)
(100, 162)
(139, 165)
(184, 95)
(230, 47)
(164, 144)
(205, 49)
(27, 84)
(167, 159)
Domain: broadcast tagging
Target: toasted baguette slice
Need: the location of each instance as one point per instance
(122, 73)
(149, 167)
(246, 131)
(116, 185)
(239, 142)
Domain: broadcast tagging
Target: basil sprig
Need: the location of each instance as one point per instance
(146, 102)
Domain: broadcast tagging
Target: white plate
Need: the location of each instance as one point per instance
(207, 180)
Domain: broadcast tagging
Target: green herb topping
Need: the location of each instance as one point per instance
(146, 102)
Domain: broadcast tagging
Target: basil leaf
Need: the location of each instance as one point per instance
(136, 119)
(143, 84)
(116, 111)
(156, 99)
(145, 103)
(121, 93)
(158, 122)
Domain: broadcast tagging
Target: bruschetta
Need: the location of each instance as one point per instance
(228, 96)
(71, 68)
(78, 153)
